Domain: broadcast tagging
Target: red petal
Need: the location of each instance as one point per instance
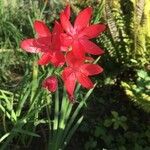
(41, 29)
(83, 19)
(66, 24)
(67, 11)
(70, 81)
(57, 59)
(28, 46)
(45, 59)
(67, 71)
(90, 47)
(51, 83)
(72, 60)
(66, 40)
(56, 36)
(93, 30)
(91, 69)
(57, 30)
(78, 50)
(84, 80)
(44, 43)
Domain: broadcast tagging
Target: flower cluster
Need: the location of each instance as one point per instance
(67, 46)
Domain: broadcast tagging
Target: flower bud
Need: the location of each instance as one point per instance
(50, 83)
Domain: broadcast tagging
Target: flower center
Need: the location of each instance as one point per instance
(75, 37)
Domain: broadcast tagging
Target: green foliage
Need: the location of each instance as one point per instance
(127, 44)
(116, 120)
(16, 20)
(22, 108)
(106, 137)
(139, 92)
(9, 32)
(65, 120)
(127, 36)
(12, 68)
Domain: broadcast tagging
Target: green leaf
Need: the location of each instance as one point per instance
(123, 118)
(4, 137)
(107, 123)
(116, 125)
(114, 113)
(99, 131)
(142, 74)
(26, 132)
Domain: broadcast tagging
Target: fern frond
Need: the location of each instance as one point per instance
(139, 10)
(111, 23)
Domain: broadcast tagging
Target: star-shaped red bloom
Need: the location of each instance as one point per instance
(79, 71)
(78, 36)
(67, 44)
(46, 43)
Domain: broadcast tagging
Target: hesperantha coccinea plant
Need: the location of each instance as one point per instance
(67, 52)
(69, 47)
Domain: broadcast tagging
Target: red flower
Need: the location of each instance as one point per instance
(53, 55)
(77, 70)
(50, 83)
(76, 40)
(46, 43)
(78, 36)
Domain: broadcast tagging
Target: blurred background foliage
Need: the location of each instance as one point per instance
(118, 116)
